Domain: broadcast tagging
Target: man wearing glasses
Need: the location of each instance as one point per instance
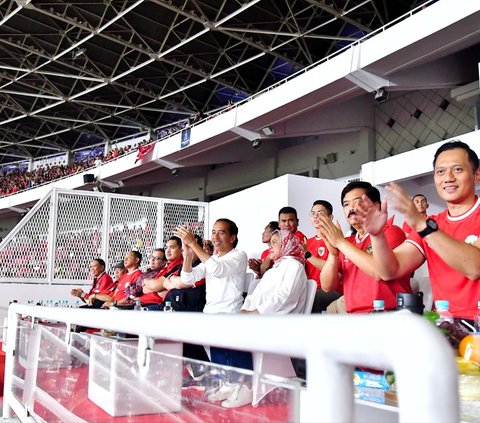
(316, 255)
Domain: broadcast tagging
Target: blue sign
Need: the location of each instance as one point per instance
(185, 138)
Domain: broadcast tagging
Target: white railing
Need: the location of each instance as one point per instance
(421, 358)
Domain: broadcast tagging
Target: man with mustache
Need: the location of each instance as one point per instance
(350, 262)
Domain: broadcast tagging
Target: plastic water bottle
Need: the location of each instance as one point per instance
(444, 315)
(477, 319)
(138, 305)
(168, 307)
(378, 306)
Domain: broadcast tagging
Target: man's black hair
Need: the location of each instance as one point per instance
(176, 239)
(370, 191)
(138, 255)
(273, 225)
(451, 145)
(419, 195)
(287, 210)
(100, 261)
(325, 204)
(232, 229)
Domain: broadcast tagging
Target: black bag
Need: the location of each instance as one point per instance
(186, 299)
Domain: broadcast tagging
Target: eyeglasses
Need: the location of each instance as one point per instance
(317, 213)
(156, 258)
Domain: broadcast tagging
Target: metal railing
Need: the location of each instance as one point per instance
(423, 362)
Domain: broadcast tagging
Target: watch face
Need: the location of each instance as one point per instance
(432, 224)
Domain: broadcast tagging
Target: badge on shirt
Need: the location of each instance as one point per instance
(321, 251)
(471, 239)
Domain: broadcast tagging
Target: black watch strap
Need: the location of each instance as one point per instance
(431, 228)
(307, 255)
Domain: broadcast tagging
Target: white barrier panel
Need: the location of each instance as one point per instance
(416, 351)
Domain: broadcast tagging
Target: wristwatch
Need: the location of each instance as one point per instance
(307, 255)
(431, 227)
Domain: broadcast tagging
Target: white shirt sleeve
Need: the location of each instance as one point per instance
(197, 273)
(236, 263)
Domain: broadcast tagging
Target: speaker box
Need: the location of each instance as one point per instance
(88, 178)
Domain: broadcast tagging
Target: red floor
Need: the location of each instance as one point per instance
(70, 388)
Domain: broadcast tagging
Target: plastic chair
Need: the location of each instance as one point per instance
(274, 364)
(311, 292)
(249, 278)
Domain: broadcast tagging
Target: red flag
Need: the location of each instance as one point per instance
(143, 150)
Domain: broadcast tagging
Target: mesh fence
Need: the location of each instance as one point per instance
(175, 214)
(24, 256)
(132, 226)
(78, 235)
(87, 225)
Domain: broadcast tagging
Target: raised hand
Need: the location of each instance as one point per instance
(331, 233)
(187, 252)
(185, 234)
(401, 202)
(374, 216)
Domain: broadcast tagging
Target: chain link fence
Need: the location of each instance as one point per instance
(56, 241)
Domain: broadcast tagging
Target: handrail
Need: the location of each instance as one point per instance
(417, 352)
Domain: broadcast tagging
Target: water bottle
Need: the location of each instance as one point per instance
(445, 318)
(378, 306)
(477, 319)
(138, 306)
(168, 307)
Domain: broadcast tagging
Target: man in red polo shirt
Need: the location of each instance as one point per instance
(132, 263)
(102, 284)
(448, 241)
(350, 263)
(154, 291)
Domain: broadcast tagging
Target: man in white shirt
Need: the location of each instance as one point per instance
(224, 274)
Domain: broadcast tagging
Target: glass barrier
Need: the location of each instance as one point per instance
(102, 378)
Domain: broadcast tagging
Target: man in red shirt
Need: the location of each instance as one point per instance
(316, 255)
(288, 219)
(448, 241)
(153, 290)
(131, 262)
(350, 263)
(102, 284)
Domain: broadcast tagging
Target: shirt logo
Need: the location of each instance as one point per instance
(471, 239)
(321, 251)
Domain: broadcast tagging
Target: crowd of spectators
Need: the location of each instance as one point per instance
(21, 179)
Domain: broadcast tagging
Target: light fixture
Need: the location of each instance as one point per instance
(382, 95)
(18, 209)
(268, 131)
(257, 144)
(110, 184)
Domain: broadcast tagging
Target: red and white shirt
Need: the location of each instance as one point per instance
(447, 283)
(360, 289)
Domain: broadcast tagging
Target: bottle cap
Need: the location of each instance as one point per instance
(441, 304)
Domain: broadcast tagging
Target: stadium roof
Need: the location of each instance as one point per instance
(75, 74)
